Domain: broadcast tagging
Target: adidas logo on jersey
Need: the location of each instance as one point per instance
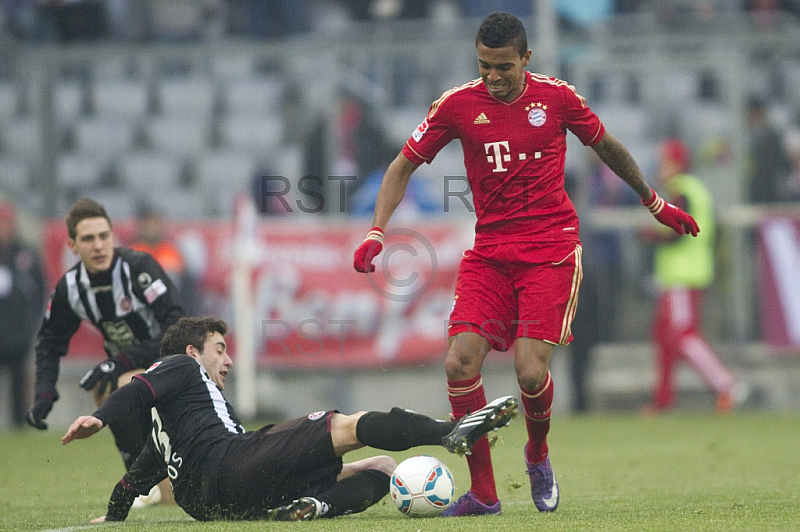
(481, 119)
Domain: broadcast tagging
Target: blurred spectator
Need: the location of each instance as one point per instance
(769, 165)
(21, 306)
(186, 20)
(388, 9)
(153, 238)
(128, 19)
(272, 193)
(604, 273)
(792, 145)
(18, 18)
(421, 198)
(275, 19)
(481, 8)
(582, 14)
(75, 20)
(765, 12)
(363, 146)
(683, 269)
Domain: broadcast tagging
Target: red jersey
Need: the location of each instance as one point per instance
(514, 154)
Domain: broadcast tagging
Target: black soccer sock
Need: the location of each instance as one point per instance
(355, 493)
(400, 429)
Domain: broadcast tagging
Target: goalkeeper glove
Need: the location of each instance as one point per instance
(369, 248)
(103, 375)
(671, 216)
(41, 407)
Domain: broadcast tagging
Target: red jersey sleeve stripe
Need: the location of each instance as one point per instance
(597, 136)
(445, 95)
(415, 152)
(559, 83)
(152, 390)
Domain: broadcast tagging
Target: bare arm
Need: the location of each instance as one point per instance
(392, 190)
(621, 162)
(81, 428)
(617, 157)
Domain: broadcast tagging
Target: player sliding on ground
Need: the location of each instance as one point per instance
(286, 472)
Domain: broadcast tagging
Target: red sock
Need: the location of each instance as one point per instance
(536, 406)
(465, 397)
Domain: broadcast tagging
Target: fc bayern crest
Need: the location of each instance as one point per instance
(537, 117)
(125, 304)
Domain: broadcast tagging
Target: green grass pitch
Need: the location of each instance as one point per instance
(688, 471)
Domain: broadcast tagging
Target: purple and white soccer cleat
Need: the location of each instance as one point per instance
(544, 487)
(468, 504)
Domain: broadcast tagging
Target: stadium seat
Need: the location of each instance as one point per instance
(236, 67)
(790, 78)
(69, 100)
(186, 97)
(220, 175)
(254, 96)
(15, 174)
(149, 170)
(400, 123)
(625, 121)
(120, 98)
(180, 203)
(9, 100)
(287, 160)
(181, 136)
(448, 162)
(21, 137)
(679, 86)
(78, 170)
(709, 122)
(252, 133)
(217, 167)
(104, 137)
(118, 203)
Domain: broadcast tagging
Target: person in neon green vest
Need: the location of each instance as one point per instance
(683, 269)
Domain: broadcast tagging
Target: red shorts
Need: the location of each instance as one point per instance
(521, 289)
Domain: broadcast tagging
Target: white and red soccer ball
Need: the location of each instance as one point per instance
(422, 486)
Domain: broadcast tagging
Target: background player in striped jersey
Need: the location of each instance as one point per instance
(289, 472)
(128, 297)
(519, 284)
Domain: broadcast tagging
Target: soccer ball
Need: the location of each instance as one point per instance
(422, 486)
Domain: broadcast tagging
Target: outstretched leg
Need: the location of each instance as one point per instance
(400, 429)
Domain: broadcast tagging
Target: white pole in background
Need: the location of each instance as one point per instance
(545, 39)
(242, 293)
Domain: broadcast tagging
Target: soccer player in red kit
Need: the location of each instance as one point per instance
(519, 283)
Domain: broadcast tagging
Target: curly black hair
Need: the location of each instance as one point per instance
(499, 30)
(190, 331)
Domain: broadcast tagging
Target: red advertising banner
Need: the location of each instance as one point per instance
(779, 282)
(308, 305)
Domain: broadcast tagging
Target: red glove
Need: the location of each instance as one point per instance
(671, 216)
(369, 248)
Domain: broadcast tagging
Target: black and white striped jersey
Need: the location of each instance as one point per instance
(132, 305)
(193, 425)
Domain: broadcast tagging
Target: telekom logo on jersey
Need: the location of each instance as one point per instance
(498, 153)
